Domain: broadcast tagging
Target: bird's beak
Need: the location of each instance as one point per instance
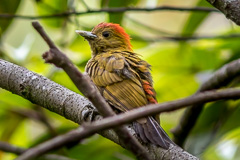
(86, 34)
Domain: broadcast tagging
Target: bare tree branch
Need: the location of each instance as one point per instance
(6, 147)
(35, 115)
(184, 38)
(83, 83)
(88, 129)
(228, 7)
(44, 119)
(47, 93)
(171, 36)
(54, 97)
(211, 84)
(220, 78)
(110, 10)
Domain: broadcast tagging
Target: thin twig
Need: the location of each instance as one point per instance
(6, 147)
(35, 115)
(88, 129)
(44, 119)
(184, 38)
(83, 83)
(148, 27)
(110, 10)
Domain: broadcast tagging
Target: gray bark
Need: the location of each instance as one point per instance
(231, 8)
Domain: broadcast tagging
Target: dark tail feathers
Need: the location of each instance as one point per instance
(153, 132)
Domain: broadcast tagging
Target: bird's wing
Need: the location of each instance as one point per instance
(125, 88)
(119, 84)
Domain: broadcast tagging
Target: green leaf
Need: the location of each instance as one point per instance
(7, 8)
(45, 7)
(10, 124)
(210, 126)
(195, 19)
(13, 100)
(233, 121)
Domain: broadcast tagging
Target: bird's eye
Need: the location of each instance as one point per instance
(106, 34)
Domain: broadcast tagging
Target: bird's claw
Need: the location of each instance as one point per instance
(89, 114)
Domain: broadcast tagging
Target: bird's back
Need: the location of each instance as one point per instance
(123, 79)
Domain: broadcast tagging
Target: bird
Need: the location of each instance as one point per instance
(123, 78)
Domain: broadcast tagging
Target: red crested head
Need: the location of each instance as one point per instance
(115, 29)
(107, 37)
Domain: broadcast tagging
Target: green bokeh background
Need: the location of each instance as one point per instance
(178, 69)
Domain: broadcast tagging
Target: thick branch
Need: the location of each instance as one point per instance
(228, 7)
(220, 78)
(111, 10)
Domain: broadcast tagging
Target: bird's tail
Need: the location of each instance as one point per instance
(152, 132)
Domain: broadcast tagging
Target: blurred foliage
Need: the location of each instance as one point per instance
(45, 7)
(195, 19)
(5, 7)
(178, 69)
(116, 17)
